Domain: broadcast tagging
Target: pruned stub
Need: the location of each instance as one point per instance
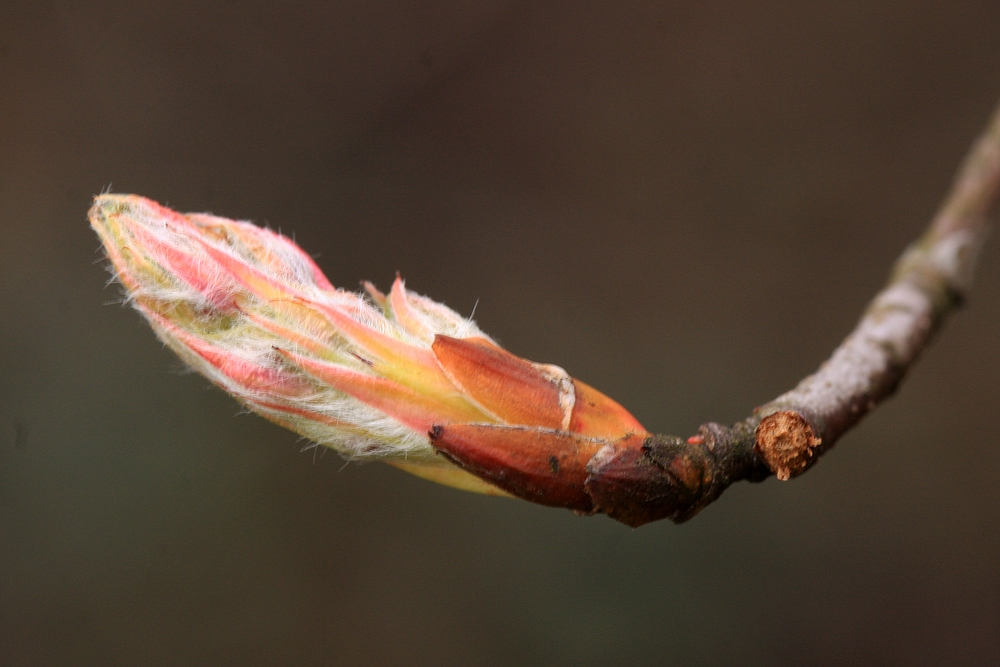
(787, 443)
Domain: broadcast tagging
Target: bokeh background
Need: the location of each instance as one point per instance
(686, 205)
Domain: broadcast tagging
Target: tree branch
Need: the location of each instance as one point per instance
(406, 379)
(787, 435)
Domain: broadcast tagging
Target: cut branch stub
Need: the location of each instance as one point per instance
(787, 443)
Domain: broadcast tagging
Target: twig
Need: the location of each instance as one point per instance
(406, 379)
(787, 435)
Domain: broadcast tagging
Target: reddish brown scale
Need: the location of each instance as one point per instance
(646, 478)
(544, 466)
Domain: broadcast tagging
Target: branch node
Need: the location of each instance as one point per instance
(787, 443)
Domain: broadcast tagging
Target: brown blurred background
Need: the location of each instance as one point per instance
(686, 206)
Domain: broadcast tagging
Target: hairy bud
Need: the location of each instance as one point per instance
(396, 376)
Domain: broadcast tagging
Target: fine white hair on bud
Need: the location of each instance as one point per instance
(369, 375)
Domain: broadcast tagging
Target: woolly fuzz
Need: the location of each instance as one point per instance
(371, 376)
